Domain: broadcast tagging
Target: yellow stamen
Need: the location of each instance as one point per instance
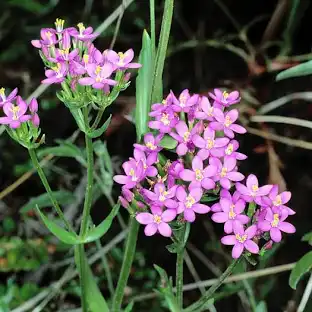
(151, 146)
(232, 214)
(223, 172)
(186, 136)
(165, 119)
(2, 90)
(275, 221)
(85, 58)
(229, 150)
(198, 175)
(227, 121)
(15, 109)
(225, 95)
(277, 201)
(59, 24)
(240, 238)
(254, 188)
(189, 201)
(164, 102)
(81, 27)
(210, 143)
(157, 219)
(98, 70)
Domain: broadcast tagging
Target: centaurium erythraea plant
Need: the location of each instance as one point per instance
(206, 165)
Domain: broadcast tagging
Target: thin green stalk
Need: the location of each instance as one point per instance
(33, 156)
(209, 293)
(126, 264)
(98, 118)
(82, 275)
(179, 268)
(152, 23)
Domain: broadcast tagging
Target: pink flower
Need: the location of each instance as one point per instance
(207, 112)
(134, 174)
(83, 34)
(226, 172)
(151, 143)
(252, 191)
(15, 114)
(274, 222)
(210, 146)
(7, 99)
(122, 60)
(189, 203)
(33, 108)
(231, 150)
(161, 196)
(225, 122)
(164, 122)
(159, 108)
(157, 221)
(241, 240)
(48, 38)
(225, 99)
(230, 213)
(198, 176)
(185, 101)
(147, 162)
(56, 74)
(184, 137)
(98, 76)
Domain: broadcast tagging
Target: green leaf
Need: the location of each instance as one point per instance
(98, 132)
(103, 227)
(157, 93)
(65, 149)
(261, 307)
(144, 86)
(168, 142)
(303, 266)
(296, 71)
(307, 238)
(43, 200)
(95, 300)
(63, 235)
(207, 199)
(129, 307)
(206, 306)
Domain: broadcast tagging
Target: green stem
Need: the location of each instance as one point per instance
(98, 119)
(209, 293)
(152, 24)
(89, 188)
(33, 156)
(126, 264)
(82, 275)
(179, 268)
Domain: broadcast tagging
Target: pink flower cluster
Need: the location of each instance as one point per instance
(17, 111)
(206, 166)
(70, 55)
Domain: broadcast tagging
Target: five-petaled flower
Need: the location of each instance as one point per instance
(224, 98)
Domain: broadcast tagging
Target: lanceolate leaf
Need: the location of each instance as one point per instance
(144, 86)
(103, 227)
(303, 266)
(296, 71)
(98, 132)
(63, 235)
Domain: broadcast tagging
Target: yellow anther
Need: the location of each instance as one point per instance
(198, 175)
(157, 219)
(189, 201)
(223, 172)
(98, 70)
(232, 214)
(277, 201)
(81, 27)
(151, 146)
(229, 150)
(276, 220)
(186, 136)
(227, 121)
(59, 24)
(15, 109)
(2, 90)
(85, 58)
(225, 95)
(165, 119)
(254, 188)
(240, 238)
(210, 143)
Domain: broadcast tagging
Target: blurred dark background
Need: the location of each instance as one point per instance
(234, 44)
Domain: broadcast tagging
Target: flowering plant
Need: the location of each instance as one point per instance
(185, 161)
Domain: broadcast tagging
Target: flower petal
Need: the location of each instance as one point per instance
(150, 229)
(237, 250)
(164, 229)
(200, 208)
(228, 240)
(276, 235)
(251, 246)
(144, 218)
(189, 215)
(220, 217)
(168, 215)
(286, 227)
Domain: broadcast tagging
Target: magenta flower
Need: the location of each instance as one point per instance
(134, 174)
(198, 176)
(185, 101)
(225, 122)
(226, 194)
(151, 143)
(48, 38)
(84, 34)
(252, 191)
(277, 201)
(241, 240)
(230, 150)
(122, 60)
(15, 114)
(189, 203)
(56, 74)
(184, 137)
(274, 222)
(209, 145)
(174, 171)
(207, 112)
(230, 213)
(161, 196)
(159, 108)
(226, 172)
(33, 108)
(148, 161)
(165, 122)
(7, 99)
(64, 55)
(157, 221)
(224, 98)
(98, 76)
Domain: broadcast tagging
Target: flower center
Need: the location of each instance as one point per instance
(232, 214)
(132, 174)
(210, 143)
(121, 58)
(275, 221)
(81, 29)
(186, 136)
(165, 119)
(254, 188)
(227, 121)
(229, 149)
(277, 201)
(59, 24)
(223, 172)
(198, 175)
(241, 238)
(163, 195)
(2, 95)
(189, 201)
(15, 110)
(64, 53)
(183, 100)
(85, 58)
(151, 146)
(225, 95)
(157, 219)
